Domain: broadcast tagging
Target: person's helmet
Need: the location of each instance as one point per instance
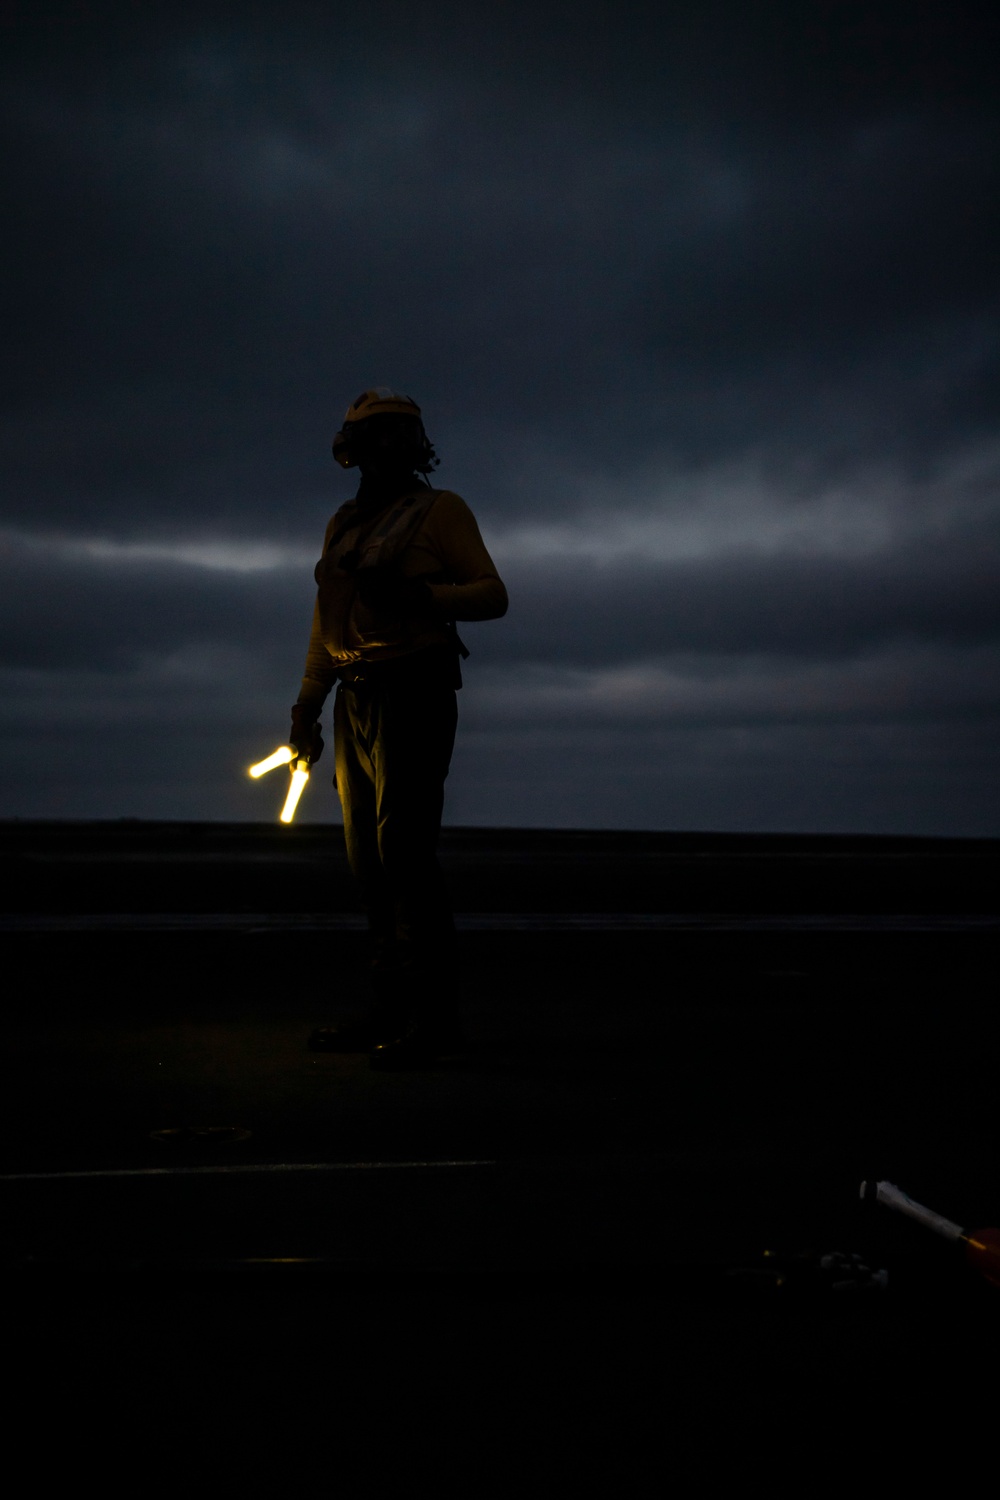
(379, 418)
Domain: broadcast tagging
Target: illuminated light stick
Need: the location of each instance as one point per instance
(285, 756)
(981, 1246)
(300, 775)
(281, 757)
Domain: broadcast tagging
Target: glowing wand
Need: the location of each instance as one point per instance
(283, 756)
(300, 775)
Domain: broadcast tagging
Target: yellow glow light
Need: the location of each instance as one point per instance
(281, 757)
(299, 778)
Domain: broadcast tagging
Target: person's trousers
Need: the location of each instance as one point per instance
(394, 732)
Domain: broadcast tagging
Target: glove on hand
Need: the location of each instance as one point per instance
(379, 589)
(306, 737)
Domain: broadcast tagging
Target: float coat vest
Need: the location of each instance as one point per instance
(349, 628)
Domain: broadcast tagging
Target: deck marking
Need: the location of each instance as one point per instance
(235, 1168)
(255, 924)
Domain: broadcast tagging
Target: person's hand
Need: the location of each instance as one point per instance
(384, 591)
(306, 737)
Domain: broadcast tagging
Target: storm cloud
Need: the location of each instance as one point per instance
(702, 310)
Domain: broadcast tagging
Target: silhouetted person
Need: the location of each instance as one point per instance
(401, 563)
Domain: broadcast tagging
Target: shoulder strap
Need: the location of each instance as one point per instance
(349, 519)
(396, 528)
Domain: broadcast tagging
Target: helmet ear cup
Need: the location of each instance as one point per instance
(342, 451)
(427, 458)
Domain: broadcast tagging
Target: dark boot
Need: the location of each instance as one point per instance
(418, 1045)
(353, 1034)
(382, 1019)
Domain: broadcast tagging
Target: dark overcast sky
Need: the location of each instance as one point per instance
(701, 303)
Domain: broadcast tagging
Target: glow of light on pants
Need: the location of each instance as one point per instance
(300, 776)
(281, 757)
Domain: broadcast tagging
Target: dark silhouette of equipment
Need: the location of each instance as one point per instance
(981, 1247)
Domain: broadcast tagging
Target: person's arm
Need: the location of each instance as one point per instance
(320, 673)
(474, 589)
